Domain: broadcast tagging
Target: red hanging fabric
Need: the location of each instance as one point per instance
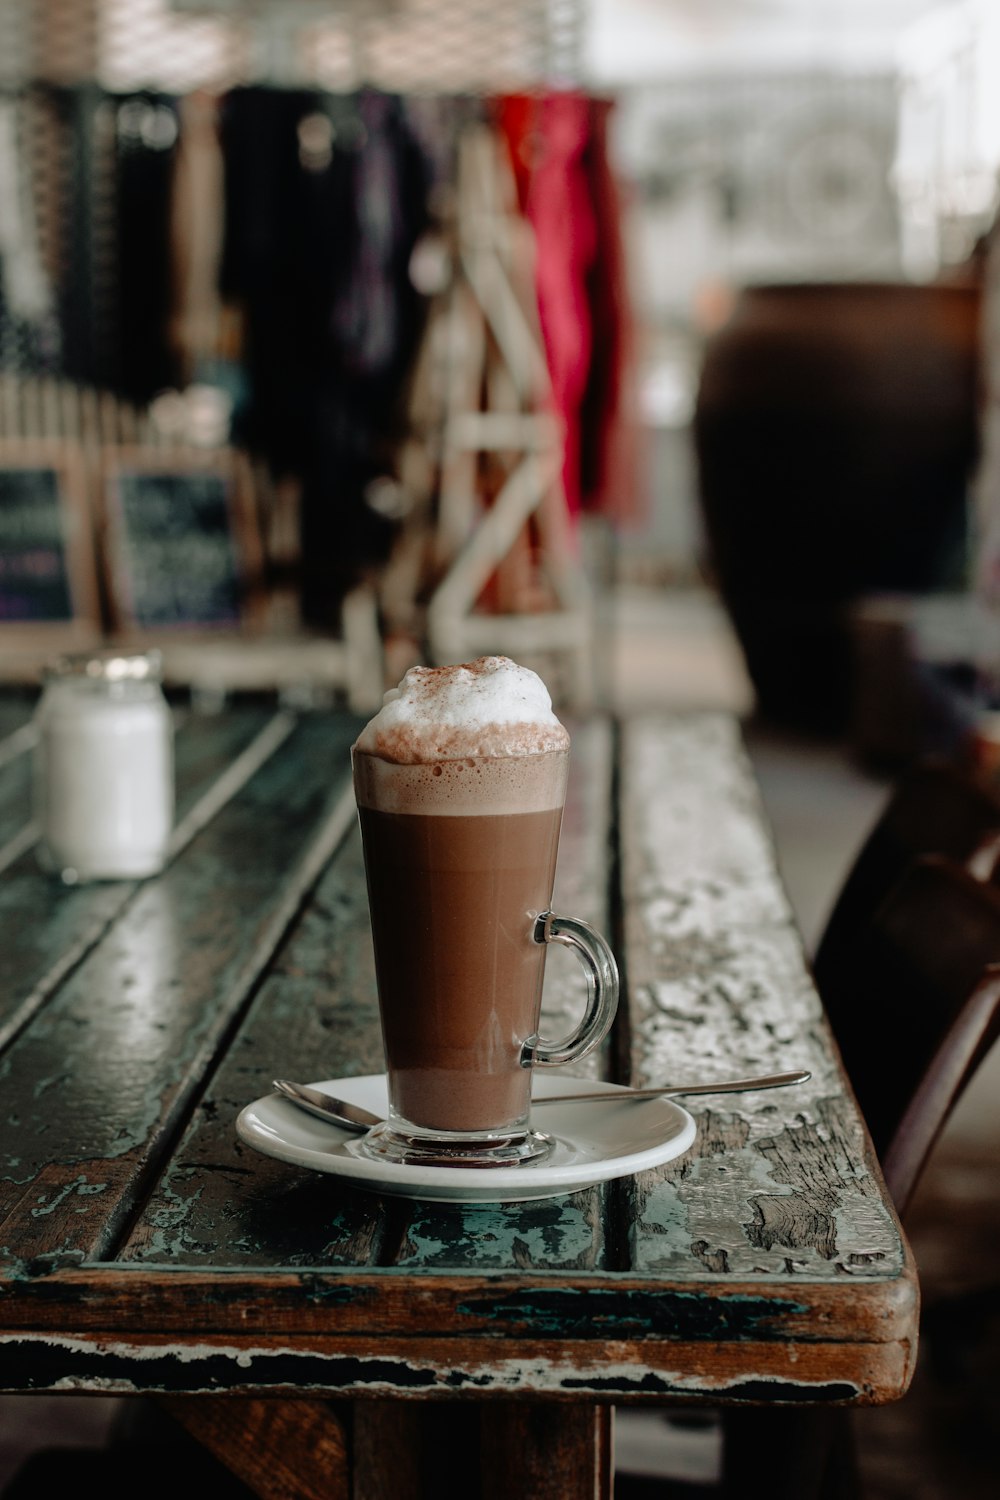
(548, 137)
(609, 466)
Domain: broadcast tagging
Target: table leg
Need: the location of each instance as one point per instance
(282, 1450)
(410, 1450)
(547, 1451)
(406, 1450)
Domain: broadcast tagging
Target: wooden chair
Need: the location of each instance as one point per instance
(920, 1011)
(937, 807)
(915, 1007)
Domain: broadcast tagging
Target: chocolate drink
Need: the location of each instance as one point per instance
(455, 1013)
(460, 858)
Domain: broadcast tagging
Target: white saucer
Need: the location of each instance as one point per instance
(592, 1143)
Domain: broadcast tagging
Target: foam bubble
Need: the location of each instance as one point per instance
(486, 708)
(462, 788)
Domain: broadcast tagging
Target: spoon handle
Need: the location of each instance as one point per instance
(353, 1117)
(732, 1086)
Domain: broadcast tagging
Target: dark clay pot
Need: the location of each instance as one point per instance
(835, 431)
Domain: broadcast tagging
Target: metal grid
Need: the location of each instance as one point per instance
(447, 45)
(53, 40)
(15, 44)
(405, 45)
(147, 44)
(402, 45)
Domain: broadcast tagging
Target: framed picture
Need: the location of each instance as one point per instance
(48, 569)
(182, 548)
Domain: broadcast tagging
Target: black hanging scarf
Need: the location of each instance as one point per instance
(325, 198)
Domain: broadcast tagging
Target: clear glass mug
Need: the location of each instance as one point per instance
(460, 861)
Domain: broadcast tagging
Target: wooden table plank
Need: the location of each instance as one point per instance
(49, 927)
(315, 1016)
(567, 1233)
(443, 1367)
(97, 1086)
(778, 1185)
(16, 712)
(617, 1309)
(17, 738)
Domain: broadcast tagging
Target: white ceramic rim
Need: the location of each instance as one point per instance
(668, 1128)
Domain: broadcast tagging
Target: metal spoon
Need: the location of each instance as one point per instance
(353, 1117)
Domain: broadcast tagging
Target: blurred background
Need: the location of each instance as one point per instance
(653, 342)
(353, 334)
(711, 273)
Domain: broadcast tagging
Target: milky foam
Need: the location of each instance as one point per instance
(489, 708)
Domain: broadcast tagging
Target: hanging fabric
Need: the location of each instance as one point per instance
(114, 255)
(28, 329)
(263, 241)
(558, 146)
(609, 467)
(326, 197)
(146, 133)
(547, 137)
(196, 229)
(88, 250)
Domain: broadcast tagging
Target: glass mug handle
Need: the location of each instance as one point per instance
(602, 992)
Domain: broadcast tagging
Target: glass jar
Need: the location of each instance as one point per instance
(103, 777)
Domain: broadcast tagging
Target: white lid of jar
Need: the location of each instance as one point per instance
(109, 665)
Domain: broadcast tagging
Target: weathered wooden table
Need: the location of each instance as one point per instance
(289, 1320)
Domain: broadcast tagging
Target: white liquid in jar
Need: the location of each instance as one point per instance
(103, 780)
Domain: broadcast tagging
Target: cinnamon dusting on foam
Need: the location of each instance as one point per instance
(489, 708)
(467, 740)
